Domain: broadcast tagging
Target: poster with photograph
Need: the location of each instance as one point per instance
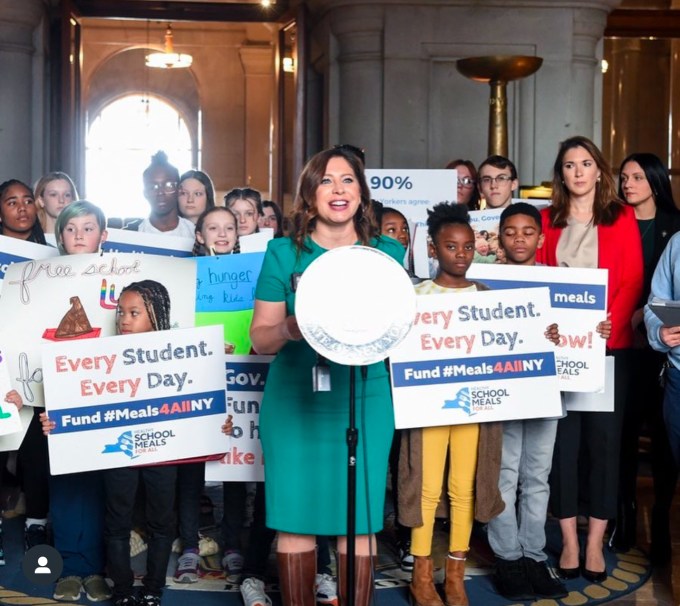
(411, 192)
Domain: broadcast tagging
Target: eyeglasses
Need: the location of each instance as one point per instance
(500, 179)
(357, 151)
(466, 181)
(169, 187)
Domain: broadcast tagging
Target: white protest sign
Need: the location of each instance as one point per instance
(135, 399)
(256, 242)
(13, 250)
(129, 241)
(12, 441)
(579, 303)
(476, 357)
(37, 295)
(594, 402)
(243, 462)
(10, 421)
(412, 192)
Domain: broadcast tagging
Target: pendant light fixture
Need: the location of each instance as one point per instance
(168, 59)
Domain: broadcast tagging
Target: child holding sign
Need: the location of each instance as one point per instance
(216, 232)
(12, 397)
(425, 451)
(472, 450)
(77, 500)
(517, 535)
(142, 307)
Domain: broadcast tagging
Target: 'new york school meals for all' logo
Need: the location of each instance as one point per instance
(476, 357)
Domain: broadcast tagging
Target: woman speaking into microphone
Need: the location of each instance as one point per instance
(303, 430)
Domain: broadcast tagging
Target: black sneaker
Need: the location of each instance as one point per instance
(35, 534)
(126, 600)
(149, 599)
(405, 557)
(511, 580)
(542, 581)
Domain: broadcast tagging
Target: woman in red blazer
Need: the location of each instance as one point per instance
(587, 225)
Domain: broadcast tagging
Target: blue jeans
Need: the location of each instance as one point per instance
(671, 410)
(525, 466)
(77, 509)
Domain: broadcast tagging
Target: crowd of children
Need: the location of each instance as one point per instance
(586, 226)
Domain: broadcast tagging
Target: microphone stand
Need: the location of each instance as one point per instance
(352, 440)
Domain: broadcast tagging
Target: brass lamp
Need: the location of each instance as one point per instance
(498, 70)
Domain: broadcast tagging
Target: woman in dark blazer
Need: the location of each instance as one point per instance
(644, 185)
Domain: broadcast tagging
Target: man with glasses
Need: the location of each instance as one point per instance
(497, 179)
(161, 183)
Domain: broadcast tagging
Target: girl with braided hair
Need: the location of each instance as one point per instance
(142, 307)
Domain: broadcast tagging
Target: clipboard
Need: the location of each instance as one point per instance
(667, 311)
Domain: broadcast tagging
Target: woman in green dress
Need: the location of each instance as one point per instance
(303, 431)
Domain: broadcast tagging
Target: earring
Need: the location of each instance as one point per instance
(598, 179)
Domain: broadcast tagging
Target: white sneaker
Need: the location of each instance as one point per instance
(326, 590)
(406, 560)
(252, 590)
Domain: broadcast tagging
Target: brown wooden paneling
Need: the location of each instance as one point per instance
(181, 11)
(641, 23)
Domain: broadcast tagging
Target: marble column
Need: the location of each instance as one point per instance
(359, 85)
(391, 84)
(20, 93)
(258, 62)
(588, 24)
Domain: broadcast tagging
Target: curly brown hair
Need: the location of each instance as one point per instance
(304, 207)
(607, 205)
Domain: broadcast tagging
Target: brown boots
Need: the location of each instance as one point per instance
(297, 574)
(454, 587)
(363, 579)
(423, 592)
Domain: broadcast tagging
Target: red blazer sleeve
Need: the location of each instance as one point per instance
(620, 252)
(551, 235)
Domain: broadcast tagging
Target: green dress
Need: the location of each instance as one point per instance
(303, 432)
